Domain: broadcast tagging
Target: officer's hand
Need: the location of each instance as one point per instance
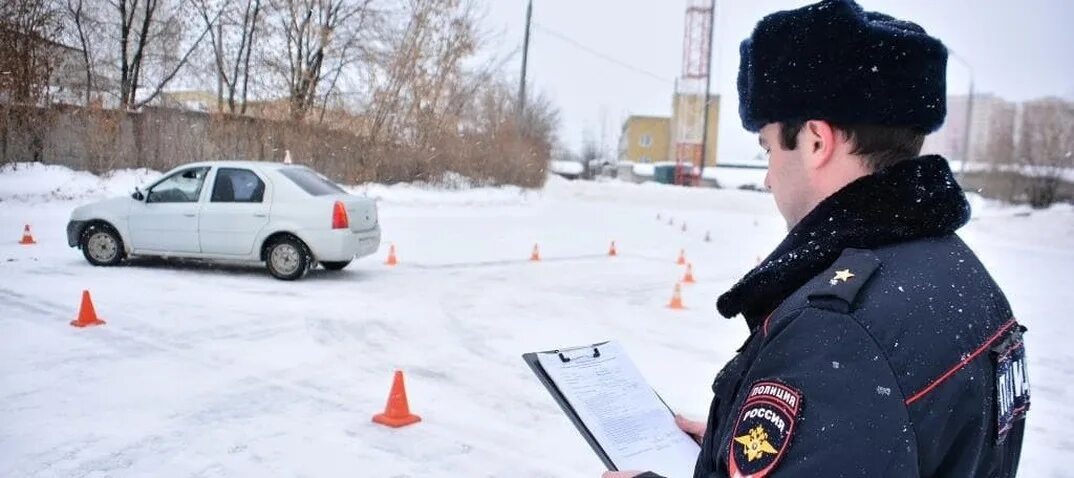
(694, 429)
(620, 474)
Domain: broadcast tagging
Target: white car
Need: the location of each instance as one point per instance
(287, 216)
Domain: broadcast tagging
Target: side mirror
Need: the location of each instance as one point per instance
(137, 195)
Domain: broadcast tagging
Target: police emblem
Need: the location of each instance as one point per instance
(764, 429)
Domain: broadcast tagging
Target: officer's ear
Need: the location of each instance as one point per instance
(818, 143)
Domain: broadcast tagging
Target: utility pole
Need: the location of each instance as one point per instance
(525, 54)
(966, 130)
(969, 114)
(708, 87)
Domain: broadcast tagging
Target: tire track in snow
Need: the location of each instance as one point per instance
(172, 441)
(511, 262)
(109, 333)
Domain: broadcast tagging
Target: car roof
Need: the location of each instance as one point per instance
(249, 164)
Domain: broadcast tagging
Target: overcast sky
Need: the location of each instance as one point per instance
(1018, 50)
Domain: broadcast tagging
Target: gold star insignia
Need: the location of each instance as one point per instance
(843, 275)
(755, 445)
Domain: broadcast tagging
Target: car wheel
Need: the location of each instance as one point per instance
(335, 266)
(101, 245)
(287, 258)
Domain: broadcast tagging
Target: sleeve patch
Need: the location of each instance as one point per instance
(1012, 383)
(764, 429)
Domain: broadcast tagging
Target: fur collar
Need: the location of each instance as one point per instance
(913, 199)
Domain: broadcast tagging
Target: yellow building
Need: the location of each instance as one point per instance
(654, 139)
(645, 139)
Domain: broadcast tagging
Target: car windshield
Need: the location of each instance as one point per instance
(311, 182)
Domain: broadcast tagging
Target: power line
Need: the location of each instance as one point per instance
(600, 55)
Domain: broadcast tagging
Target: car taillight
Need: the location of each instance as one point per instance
(339, 216)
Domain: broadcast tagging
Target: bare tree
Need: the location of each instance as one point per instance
(146, 25)
(1046, 147)
(28, 51)
(421, 83)
(237, 28)
(590, 153)
(999, 136)
(498, 142)
(76, 11)
(29, 30)
(320, 38)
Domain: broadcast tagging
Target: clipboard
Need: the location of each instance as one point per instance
(535, 365)
(538, 370)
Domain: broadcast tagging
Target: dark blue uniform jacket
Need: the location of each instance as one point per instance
(879, 346)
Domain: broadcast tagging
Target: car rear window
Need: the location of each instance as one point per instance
(311, 182)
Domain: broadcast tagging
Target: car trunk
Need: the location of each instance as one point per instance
(361, 211)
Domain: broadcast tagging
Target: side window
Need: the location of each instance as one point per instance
(237, 185)
(183, 186)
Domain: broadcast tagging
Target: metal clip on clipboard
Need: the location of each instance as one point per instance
(565, 359)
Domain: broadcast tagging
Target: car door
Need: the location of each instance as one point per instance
(236, 212)
(167, 220)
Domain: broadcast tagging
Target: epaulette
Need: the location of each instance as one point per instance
(838, 286)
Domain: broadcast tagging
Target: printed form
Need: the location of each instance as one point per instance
(624, 414)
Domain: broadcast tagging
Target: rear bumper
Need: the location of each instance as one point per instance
(74, 232)
(338, 246)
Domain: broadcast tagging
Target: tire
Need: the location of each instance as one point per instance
(335, 266)
(101, 245)
(287, 258)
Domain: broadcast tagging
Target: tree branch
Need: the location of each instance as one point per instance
(182, 61)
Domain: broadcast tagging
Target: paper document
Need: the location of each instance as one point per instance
(626, 417)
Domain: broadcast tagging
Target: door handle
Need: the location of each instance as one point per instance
(189, 214)
(260, 215)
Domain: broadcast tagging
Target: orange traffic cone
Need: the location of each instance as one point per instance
(611, 250)
(27, 238)
(392, 260)
(676, 298)
(397, 411)
(682, 257)
(87, 317)
(708, 237)
(535, 256)
(689, 277)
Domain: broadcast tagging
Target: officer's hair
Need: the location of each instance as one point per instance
(879, 146)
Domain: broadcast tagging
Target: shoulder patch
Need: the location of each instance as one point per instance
(764, 429)
(837, 287)
(1012, 382)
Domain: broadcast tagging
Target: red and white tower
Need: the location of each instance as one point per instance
(689, 122)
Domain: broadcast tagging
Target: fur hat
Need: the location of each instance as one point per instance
(835, 61)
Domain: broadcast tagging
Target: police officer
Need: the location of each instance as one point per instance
(879, 345)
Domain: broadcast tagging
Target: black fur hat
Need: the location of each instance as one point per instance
(837, 62)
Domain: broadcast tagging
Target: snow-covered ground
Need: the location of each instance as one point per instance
(224, 371)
